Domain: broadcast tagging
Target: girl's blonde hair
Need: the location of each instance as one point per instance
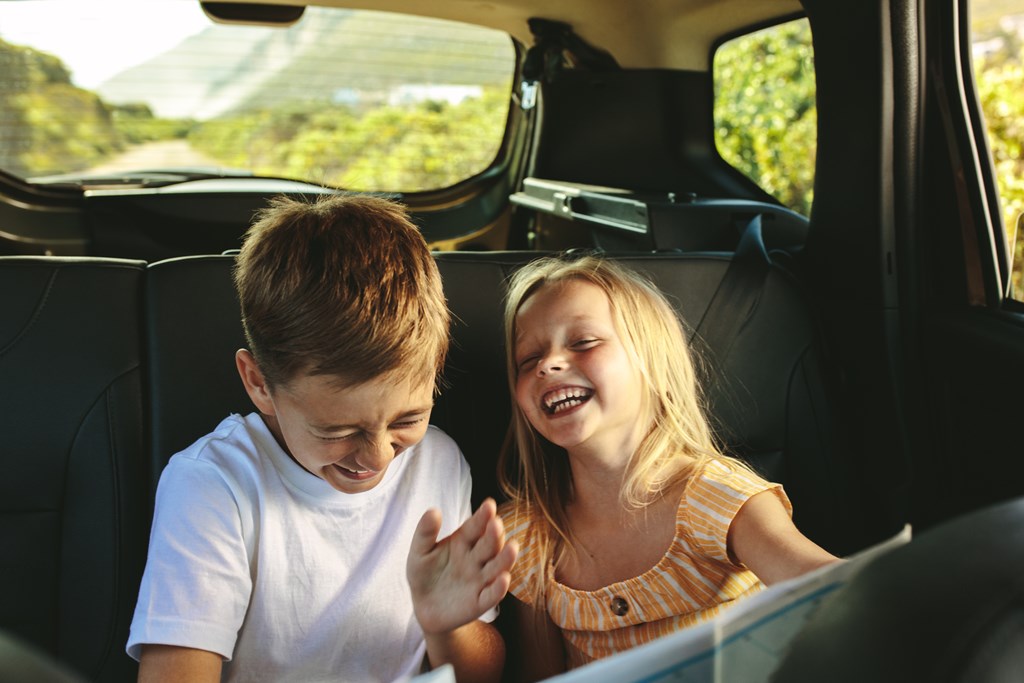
(535, 474)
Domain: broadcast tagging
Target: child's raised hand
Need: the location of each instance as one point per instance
(460, 577)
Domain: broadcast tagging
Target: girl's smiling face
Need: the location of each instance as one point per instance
(575, 380)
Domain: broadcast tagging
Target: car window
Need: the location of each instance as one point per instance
(997, 53)
(349, 98)
(765, 111)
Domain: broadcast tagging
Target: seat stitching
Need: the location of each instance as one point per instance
(102, 398)
(35, 314)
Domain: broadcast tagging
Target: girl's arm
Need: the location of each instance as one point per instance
(538, 652)
(763, 538)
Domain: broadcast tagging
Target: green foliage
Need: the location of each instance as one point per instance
(49, 125)
(66, 128)
(429, 145)
(765, 113)
(137, 125)
(1000, 82)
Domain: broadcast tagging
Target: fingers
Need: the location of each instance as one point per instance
(476, 552)
(425, 537)
(460, 577)
(480, 536)
(493, 593)
(499, 563)
(489, 542)
(474, 527)
(497, 577)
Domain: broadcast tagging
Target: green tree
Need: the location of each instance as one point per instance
(49, 124)
(424, 146)
(765, 113)
(138, 125)
(1000, 82)
(431, 146)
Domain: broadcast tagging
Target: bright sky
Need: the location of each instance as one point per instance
(99, 38)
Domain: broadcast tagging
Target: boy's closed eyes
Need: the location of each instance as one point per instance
(345, 435)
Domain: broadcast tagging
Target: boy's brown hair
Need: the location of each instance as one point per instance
(342, 286)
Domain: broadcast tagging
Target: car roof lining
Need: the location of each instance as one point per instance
(673, 34)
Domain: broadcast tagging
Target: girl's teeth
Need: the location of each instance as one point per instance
(565, 399)
(563, 406)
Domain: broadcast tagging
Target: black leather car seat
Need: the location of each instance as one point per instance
(73, 518)
(193, 328)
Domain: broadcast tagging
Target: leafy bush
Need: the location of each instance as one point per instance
(429, 145)
(137, 124)
(1000, 82)
(766, 116)
(49, 124)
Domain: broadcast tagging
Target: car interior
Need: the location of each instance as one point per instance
(863, 347)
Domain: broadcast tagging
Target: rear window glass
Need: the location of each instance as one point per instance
(361, 100)
(765, 109)
(997, 49)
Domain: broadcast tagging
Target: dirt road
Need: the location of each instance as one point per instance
(151, 156)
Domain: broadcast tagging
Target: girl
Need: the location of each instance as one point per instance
(631, 524)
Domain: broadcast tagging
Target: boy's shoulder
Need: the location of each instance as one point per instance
(238, 454)
(440, 449)
(435, 437)
(236, 435)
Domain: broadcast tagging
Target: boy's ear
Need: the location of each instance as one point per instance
(255, 385)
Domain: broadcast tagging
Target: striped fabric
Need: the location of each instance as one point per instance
(691, 583)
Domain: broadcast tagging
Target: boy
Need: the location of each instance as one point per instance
(299, 543)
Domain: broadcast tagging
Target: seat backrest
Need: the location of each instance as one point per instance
(193, 328)
(108, 367)
(73, 525)
(768, 399)
(474, 404)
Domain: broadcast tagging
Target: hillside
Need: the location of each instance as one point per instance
(49, 124)
(337, 55)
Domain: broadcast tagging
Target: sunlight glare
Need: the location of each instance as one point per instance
(98, 39)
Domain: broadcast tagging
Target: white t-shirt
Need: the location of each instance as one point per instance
(254, 558)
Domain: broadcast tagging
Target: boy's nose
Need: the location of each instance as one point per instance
(379, 453)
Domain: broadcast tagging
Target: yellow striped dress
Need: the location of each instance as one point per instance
(691, 583)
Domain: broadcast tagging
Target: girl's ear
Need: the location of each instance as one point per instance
(255, 384)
